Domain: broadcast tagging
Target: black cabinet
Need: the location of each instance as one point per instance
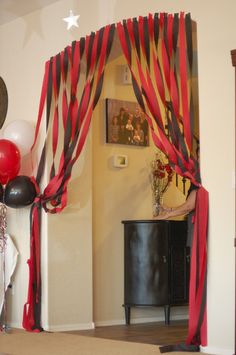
(157, 262)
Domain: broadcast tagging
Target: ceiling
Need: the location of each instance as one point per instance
(12, 9)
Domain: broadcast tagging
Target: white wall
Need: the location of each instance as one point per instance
(29, 41)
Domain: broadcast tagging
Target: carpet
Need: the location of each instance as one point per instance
(44, 343)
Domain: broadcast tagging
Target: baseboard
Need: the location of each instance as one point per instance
(216, 351)
(61, 327)
(139, 320)
(92, 325)
(69, 327)
(15, 325)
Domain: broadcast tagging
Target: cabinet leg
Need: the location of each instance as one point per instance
(167, 314)
(127, 315)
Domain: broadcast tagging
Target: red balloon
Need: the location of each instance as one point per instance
(9, 160)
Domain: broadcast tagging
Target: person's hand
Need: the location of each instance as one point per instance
(163, 215)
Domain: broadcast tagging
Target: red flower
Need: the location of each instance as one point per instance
(168, 169)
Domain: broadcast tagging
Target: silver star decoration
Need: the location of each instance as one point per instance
(71, 20)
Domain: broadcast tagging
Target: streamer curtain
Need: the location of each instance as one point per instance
(160, 46)
(68, 110)
(159, 52)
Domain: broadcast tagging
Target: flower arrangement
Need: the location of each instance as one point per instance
(161, 176)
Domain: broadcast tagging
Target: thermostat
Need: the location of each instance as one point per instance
(120, 161)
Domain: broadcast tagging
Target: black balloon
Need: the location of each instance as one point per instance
(19, 192)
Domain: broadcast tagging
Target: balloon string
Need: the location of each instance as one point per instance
(3, 227)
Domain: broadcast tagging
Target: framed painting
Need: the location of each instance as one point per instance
(126, 123)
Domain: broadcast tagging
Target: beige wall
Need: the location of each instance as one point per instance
(70, 254)
(25, 45)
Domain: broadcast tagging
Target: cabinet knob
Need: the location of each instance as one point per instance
(188, 258)
(164, 259)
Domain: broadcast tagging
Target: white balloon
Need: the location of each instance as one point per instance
(21, 133)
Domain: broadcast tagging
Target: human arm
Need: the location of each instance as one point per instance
(181, 210)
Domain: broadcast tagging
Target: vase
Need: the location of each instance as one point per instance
(157, 205)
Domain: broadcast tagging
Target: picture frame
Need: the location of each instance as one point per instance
(126, 123)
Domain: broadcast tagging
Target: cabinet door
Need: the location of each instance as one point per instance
(146, 263)
(179, 274)
(179, 263)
